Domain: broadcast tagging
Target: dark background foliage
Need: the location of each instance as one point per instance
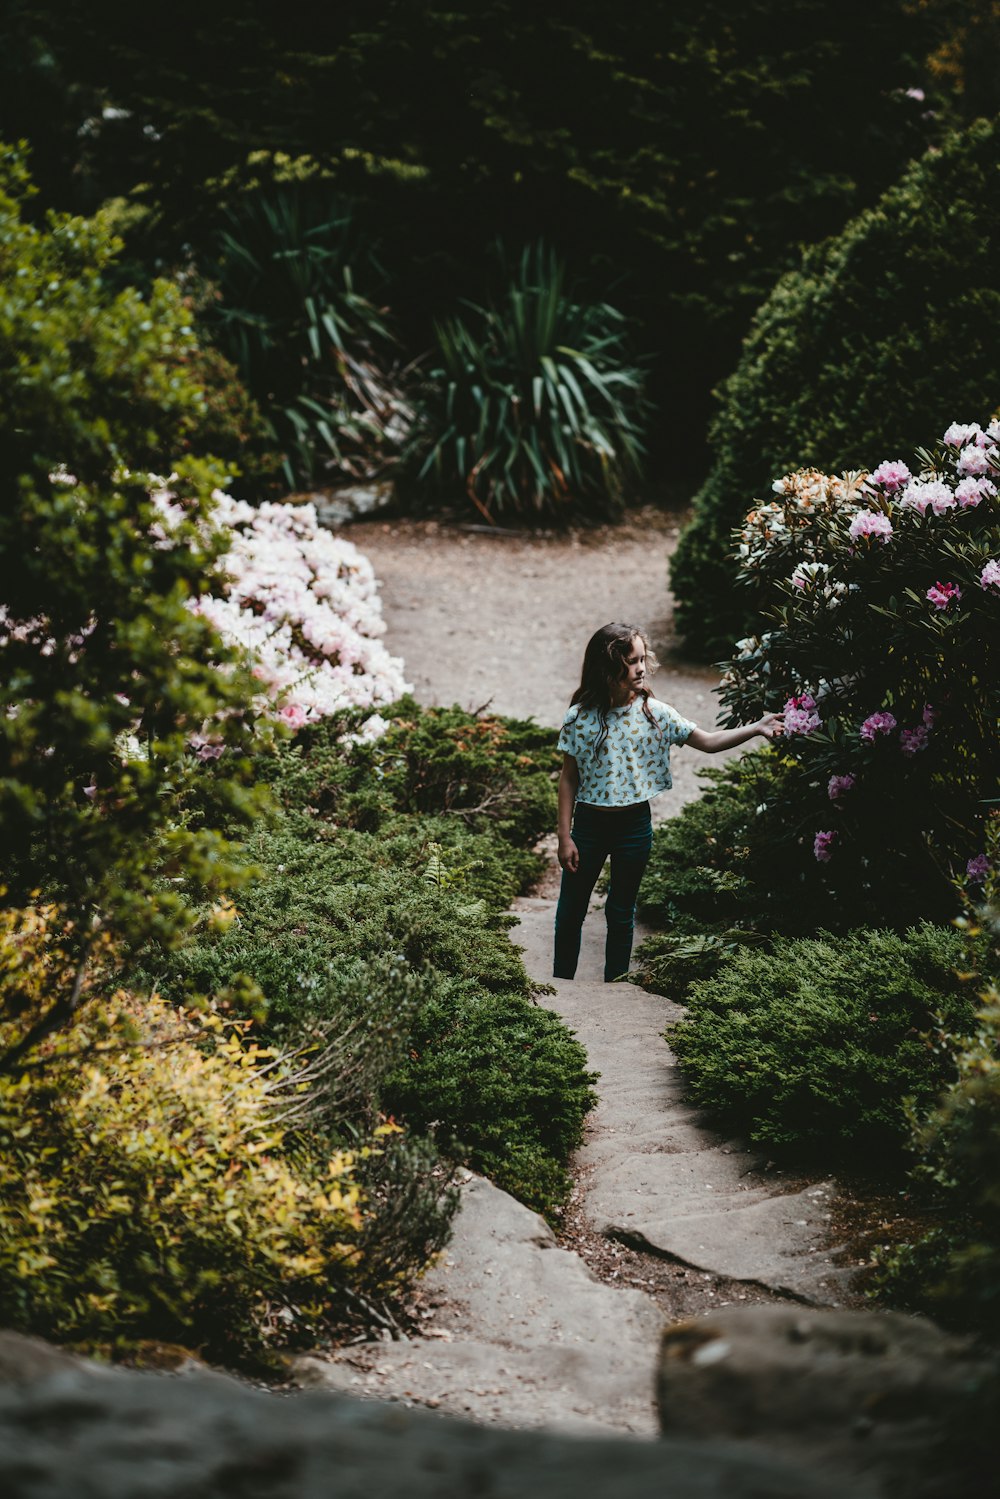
(679, 155)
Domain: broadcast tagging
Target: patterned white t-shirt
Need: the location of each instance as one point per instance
(633, 762)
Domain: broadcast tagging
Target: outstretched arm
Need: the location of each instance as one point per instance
(771, 726)
(569, 780)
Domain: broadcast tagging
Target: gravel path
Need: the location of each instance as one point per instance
(503, 619)
(667, 1219)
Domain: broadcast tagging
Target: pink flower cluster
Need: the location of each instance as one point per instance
(960, 434)
(912, 741)
(973, 460)
(876, 724)
(870, 523)
(990, 575)
(890, 475)
(823, 845)
(839, 786)
(800, 715)
(977, 869)
(927, 494)
(971, 492)
(943, 595)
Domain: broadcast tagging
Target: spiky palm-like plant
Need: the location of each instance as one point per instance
(535, 407)
(318, 353)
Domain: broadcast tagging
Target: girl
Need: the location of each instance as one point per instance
(616, 742)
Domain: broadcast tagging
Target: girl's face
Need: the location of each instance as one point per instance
(634, 669)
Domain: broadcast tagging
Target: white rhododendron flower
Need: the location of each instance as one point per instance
(303, 603)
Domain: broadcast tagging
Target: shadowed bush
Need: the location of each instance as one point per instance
(884, 334)
(953, 1272)
(815, 1044)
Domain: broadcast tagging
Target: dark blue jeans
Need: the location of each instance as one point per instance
(626, 834)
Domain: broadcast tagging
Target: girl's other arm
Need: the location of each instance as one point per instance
(711, 741)
(569, 780)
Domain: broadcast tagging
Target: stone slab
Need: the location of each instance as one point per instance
(656, 1175)
(525, 1334)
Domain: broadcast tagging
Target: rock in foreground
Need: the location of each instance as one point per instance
(880, 1396)
(153, 1436)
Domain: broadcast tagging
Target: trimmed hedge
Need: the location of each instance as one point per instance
(815, 1044)
(380, 914)
(884, 334)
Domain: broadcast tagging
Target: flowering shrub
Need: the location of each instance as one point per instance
(884, 651)
(303, 604)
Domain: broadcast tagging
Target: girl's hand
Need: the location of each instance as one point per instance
(569, 855)
(772, 725)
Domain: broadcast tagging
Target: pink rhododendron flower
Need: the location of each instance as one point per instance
(943, 595)
(971, 492)
(809, 572)
(990, 575)
(890, 475)
(823, 846)
(929, 716)
(870, 523)
(912, 741)
(293, 714)
(960, 434)
(876, 724)
(206, 749)
(839, 786)
(973, 460)
(978, 868)
(800, 715)
(927, 494)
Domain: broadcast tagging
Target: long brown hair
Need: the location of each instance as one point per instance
(603, 671)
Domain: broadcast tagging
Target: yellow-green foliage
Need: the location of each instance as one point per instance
(145, 1185)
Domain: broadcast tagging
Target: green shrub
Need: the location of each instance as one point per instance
(721, 877)
(882, 336)
(323, 903)
(815, 1044)
(106, 671)
(536, 407)
(504, 1084)
(489, 774)
(953, 1273)
(702, 870)
(232, 425)
(379, 923)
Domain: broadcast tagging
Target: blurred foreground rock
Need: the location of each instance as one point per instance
(886, 1397)
(92, 1433)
